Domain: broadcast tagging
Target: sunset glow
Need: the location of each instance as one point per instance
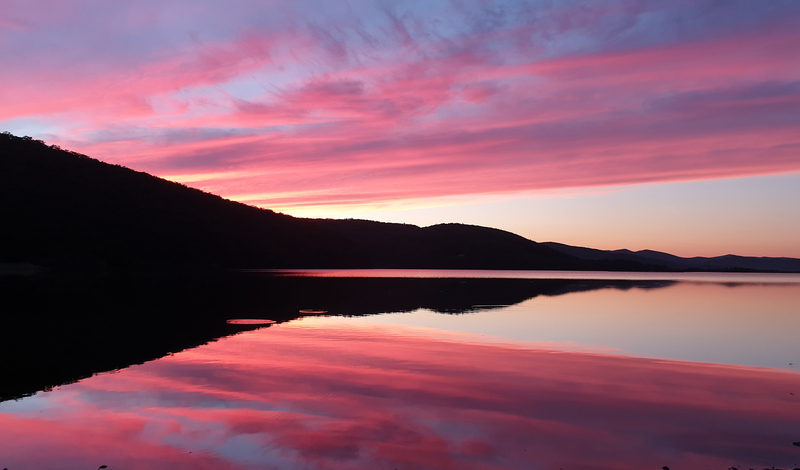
(361, 108)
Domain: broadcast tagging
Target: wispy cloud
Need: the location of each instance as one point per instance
(308, 103)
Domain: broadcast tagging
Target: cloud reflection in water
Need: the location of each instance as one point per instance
(374, 396)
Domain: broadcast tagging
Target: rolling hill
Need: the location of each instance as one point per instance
(63, 209)
(677, 263)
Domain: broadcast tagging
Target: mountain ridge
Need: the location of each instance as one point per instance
(67, 209)
(674, 262)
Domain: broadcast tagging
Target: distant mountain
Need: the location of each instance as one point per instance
(63, 209)
(676, 263)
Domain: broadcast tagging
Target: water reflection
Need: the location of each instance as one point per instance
(719, 277)
(520, 373)
(63, 329)
(746, 324)
(304, 395)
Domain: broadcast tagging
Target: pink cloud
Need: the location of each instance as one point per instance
(54, 83)
(362, 114)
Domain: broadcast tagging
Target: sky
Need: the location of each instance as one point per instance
(669, 125)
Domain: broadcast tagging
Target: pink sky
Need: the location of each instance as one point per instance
(321, 108)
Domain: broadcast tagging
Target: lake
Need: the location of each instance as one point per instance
(404, 370)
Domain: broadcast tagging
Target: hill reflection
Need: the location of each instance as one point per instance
(356, 397)
(62, 329)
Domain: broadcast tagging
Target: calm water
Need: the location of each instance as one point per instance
(696, 374)
(511, 274)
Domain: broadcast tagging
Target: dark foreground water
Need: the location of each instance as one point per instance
(637, 374)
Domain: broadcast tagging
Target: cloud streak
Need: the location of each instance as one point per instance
(365, 103)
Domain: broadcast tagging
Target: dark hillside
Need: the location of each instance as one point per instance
(60, 208)
(676, 263)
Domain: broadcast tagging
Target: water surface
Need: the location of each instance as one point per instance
(734, 277)
(755, 324)
(690, 375)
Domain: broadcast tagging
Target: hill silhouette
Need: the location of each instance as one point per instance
(677, 263)
(63, 209)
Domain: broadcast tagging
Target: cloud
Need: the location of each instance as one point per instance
(369, 104)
